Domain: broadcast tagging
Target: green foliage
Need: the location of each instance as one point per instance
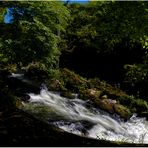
(140, 105)
(136, 73)
(102, 24)
(103, 37)
(133, 103)
(2, 13)
(136, 77)
(37, 33)
(122, 21)
(34, 32)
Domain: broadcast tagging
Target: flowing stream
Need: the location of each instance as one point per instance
(81, 118)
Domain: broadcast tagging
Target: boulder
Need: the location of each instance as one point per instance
(67, 94)
(25, 97)
(36, 71)
(92, 94)
(72, 81)
(54, 85)
(122, 111)
(112, 106)
(106, 104)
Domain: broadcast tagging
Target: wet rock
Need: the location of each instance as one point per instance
(106, 104)
(67, 94)
(54, 85)
(86, 126)
(122, 111)
(25, 97)
(112, 106)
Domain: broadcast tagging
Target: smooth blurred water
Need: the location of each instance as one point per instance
(79, 117)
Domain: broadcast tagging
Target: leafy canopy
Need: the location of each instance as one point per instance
(34, 32)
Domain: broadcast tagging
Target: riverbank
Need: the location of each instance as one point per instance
(22, 129)
(98, 92)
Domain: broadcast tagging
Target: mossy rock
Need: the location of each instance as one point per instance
(67, 94)
(105, 104)
(107, 89)
(122, 111)
(112, 106)
(72, 81)
(54, 85)
(132, 103)
(91, 94)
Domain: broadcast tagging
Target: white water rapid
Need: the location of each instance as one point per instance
(81, 118)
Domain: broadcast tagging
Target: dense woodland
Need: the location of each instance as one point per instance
(74, 47)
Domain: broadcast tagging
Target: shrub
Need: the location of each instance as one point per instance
(136, 80)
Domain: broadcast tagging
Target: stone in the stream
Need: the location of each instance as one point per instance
(54, 85)
(112, 106)
(122, 111)
(25, 97)
(67, 94)
(106, 104)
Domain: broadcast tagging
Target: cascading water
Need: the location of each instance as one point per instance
(79, 117)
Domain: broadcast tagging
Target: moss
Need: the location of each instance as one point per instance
(67, 82)
(132, 103)
(72, 81)
(107, 89)
(54, 85)
(123, 111)
(94, 90)
(91, 94)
